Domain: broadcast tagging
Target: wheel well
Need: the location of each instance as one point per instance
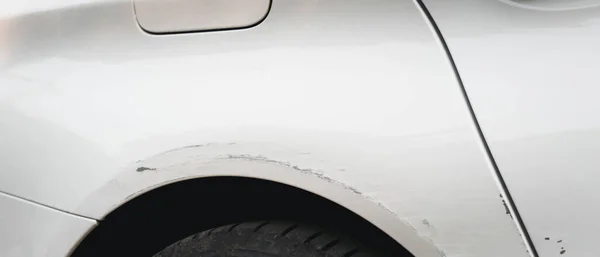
(156, 219)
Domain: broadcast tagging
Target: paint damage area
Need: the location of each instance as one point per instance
(320, 174)
(506, 206)
(559, 242)
(314, 172)
(142, 169)
(373, 181)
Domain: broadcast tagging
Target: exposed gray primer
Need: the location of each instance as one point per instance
(315, 172)
(142, 169)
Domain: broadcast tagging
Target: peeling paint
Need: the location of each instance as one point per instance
(424, 228)
(314, 172)
(142, 169)
(320, 174)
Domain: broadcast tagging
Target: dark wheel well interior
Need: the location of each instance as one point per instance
(154, 220)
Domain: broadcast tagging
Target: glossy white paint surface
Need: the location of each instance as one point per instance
(161, 16)
(533, 78)
(30, 230)
(553, 5)
(357, 95)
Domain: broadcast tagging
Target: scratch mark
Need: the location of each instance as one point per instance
(189, 146)
(130, 196)
(437, 249)
(141, 169)
(320, 174)
(315, 172)
(195, 146)
(442, 253)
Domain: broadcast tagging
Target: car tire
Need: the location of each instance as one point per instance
(265, 239)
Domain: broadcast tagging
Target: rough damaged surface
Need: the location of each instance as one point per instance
(316, 173)
(334, 97)
(141, 169)
(445, 216)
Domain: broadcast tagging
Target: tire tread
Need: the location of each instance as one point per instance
(274, 238)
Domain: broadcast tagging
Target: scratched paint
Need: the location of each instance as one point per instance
(225, 158)
(347, 97)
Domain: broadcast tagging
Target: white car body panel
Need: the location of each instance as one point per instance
(28, 229)
(532, 77)
(352, 100)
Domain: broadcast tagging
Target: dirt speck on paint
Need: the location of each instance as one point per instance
(506, 207)
(426, 223)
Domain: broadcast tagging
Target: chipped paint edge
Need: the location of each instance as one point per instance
(159, 174)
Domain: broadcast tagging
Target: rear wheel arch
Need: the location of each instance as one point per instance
(161, 216)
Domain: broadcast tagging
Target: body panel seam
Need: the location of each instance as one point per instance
(505, 194)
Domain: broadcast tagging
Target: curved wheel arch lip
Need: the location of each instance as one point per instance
(160, 170)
